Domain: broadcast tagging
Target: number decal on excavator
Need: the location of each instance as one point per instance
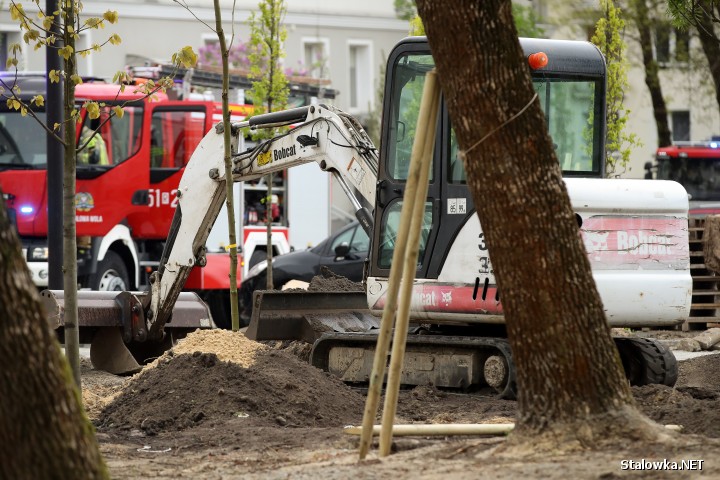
(482, 245)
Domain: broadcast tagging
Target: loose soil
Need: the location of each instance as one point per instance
(220, 406)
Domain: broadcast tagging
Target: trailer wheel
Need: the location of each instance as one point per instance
(111, 274)
(647, 362)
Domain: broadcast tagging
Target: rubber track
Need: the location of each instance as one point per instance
(653, 362)
(321, 348)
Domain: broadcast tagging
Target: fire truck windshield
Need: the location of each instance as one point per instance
(700, 176)
(19, 145)
(23, 145)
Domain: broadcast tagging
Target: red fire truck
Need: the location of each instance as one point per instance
(126, 189)
(696, 165)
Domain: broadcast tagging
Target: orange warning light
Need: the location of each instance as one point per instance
(538, 60)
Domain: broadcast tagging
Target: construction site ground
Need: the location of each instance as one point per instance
(219, 406)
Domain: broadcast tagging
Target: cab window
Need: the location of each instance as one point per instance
(570, 107)
(409, 75)
(109, 139)
(174, 134)
(389, 232)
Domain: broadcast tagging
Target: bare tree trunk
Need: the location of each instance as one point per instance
(268, 223)
(641, 17)
(229, 200)
(569, 375)
(72, 333)
(43, 430)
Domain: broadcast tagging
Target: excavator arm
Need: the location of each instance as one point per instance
(321, 134)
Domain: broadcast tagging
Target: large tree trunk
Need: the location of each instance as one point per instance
(640, 16)
(710, 42)
(43, 430)
(569, 375)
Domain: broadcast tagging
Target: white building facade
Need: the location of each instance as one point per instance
(340, 41)
(345, 43)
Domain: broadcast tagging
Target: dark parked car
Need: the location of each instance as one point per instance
(344, 253)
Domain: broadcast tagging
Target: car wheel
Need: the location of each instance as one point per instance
(111, 275)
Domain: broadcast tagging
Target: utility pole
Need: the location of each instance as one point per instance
(55, 158)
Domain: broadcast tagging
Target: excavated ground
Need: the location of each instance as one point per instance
(220, 406)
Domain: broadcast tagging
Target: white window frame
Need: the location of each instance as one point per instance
(325, 42)
(85, 65)
(15, 36)
(364, 78)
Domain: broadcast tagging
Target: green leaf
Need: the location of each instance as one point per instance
(54, 76)
(118, 111)
(66, 52)
(115, 39)
(111, 16)
(93, 110)
(94, 22)
(186, 57)
(31, 36)
(16, 11)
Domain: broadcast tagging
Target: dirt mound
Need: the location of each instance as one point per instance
(328, 281)
(98, 388)
(217, 376)
(426, 404)
(700, 372)
(692, 403)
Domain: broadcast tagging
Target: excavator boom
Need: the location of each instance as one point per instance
(324, 135)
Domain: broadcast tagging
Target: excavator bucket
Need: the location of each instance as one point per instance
(109, 353)
(113, 323)
(306, 315)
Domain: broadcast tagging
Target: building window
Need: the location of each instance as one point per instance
(671, 44)
(316, 52)
(360, 76)
(680, 125)
(8, 38)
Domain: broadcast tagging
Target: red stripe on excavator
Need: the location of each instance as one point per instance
(450, 299)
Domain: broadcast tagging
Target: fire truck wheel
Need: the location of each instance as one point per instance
(111, 274)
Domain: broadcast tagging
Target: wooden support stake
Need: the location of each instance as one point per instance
(441, 429)
(426, 136)
(377, 375)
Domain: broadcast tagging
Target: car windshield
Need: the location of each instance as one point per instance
(23, 145)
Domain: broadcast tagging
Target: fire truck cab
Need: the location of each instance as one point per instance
(127, 178)
(696, 166)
